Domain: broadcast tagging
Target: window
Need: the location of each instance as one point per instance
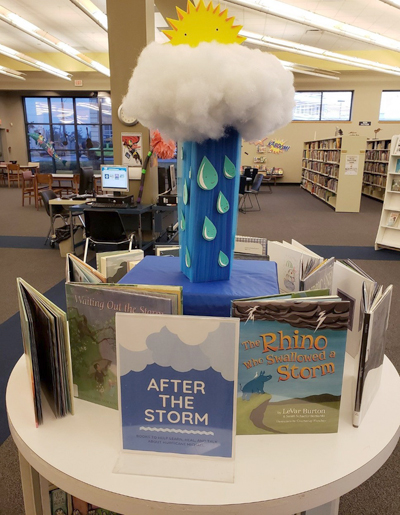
(390, 106)
(65, 133)
(323, 105)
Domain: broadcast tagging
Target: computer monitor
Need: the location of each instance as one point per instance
(114, 179)
(86, 180)
(163, 180)
(172, 178)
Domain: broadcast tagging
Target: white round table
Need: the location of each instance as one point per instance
(274, 474)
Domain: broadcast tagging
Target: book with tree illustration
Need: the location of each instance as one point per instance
(291, 362)
(91, 310)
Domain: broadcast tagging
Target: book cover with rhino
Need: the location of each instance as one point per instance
(291, 361)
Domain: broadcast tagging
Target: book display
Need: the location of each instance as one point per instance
(332, 171)
(376, 168)
(291, 362)
(388, 235)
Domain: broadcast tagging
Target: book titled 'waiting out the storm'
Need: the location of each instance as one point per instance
(291, 362)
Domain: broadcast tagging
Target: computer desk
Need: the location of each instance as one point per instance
(137, 212)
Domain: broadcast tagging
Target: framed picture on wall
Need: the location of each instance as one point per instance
(132, 149)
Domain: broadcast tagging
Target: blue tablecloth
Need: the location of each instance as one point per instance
(248, 279)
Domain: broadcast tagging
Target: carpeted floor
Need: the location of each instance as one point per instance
(287, 213)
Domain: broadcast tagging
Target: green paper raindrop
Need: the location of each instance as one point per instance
(207, 177)
(222, 203)
(209, 229)
(190, 173)
(188, 261)
(185, 194)
(229, 168)
(223, 259)
(183, 223)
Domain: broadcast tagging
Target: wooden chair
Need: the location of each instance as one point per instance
(28, 187)
(13, 174)
(44, 181)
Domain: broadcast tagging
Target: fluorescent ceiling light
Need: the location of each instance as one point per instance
(11, 73)
(93, 12)
(393, 3)
(18, 56)
(309, 70)
(317, 53)
(293, 13)
(44, 37)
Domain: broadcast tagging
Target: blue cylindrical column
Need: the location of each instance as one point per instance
(208, 193)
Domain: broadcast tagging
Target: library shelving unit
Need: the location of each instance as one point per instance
(332, 171)
(376, 167)
(389, 226)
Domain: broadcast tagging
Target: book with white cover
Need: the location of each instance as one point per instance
(115, 266)
(347, 283)
(290, 259)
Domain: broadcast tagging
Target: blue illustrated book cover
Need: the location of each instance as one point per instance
(291, 362)
(177, 378)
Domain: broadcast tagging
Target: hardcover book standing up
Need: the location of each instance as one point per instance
(291, 360)
(91, 310)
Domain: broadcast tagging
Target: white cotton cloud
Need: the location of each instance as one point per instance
(192, 94)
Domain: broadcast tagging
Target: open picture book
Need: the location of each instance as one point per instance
(368, 310)
(45, 338)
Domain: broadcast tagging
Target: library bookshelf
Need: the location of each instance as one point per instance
(332, 171)
(388, 235)
(376, 168)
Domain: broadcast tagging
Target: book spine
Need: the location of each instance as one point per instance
(361, 371)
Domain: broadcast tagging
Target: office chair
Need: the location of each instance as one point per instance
(57, 211)
(103, 226)
(253, 193)
(242, 191)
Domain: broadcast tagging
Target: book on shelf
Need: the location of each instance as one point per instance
(114, 265)
(396, 185)
(294, 262)
(80, 507)
(397, 169)
(77, 271)
(46, 346)
(396, 149)
(59, 502)
(177, 389)
(291, 363)
(91, 310)
(392, 219)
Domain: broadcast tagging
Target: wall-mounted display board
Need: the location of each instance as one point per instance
(376, 168)
(332, 170)
(389, 226)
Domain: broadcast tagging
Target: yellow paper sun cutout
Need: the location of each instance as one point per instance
(203, 23)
